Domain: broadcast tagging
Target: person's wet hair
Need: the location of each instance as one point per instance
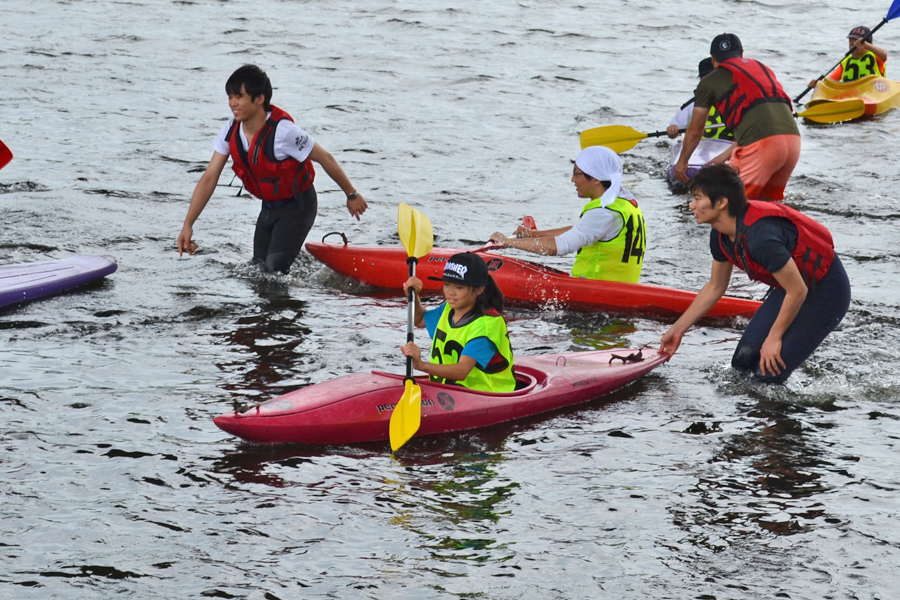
(254, 81)
(722, 181)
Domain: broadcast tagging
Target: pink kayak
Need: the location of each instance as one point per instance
(357, 407)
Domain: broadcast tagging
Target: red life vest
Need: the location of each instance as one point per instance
(813, 253)
(754, 83)
(261, 173)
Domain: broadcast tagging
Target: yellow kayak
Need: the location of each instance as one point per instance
(877, 93)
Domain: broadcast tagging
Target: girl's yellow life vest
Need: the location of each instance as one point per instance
(449, 341)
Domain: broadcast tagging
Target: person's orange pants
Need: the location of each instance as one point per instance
(765, 166)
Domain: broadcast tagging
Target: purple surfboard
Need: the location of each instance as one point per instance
(27, 281)
(707, 149)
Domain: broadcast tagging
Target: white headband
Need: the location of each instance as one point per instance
(602, 163)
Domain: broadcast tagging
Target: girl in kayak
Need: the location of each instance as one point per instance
(470, 345)
(779, 246)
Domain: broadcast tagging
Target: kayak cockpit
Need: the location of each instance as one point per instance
(527, 381)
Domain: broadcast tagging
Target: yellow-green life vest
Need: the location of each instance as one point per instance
(449, 341)
(721, 133)
(621, 258)
(855, 68)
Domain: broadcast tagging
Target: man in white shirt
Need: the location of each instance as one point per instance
(272, 156)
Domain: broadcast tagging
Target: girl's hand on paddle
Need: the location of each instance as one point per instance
(415, 283)
(185, 243)
(812, 83)
(670, 342)
(357, 206)
(770, 362)
(411, 350)
(672, 131)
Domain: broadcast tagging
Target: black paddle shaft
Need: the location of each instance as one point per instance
(410, 313)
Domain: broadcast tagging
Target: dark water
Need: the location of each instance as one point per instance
(690, 484)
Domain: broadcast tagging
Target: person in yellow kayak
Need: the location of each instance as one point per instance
(759, 112)
(683, 117)
(470, 345)
(866, 58)
(610, 237)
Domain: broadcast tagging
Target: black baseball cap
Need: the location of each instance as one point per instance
(465, 268)
(705, 67)
(859, 33)
(725, 46)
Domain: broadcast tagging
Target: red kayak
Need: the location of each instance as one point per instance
(357, 408)
(521, 281)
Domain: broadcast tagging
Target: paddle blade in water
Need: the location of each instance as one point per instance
(5, 154)
(407, 415)
(415, 231)
(836, 111)
(617, 138)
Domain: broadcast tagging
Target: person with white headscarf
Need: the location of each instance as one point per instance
(609, 237)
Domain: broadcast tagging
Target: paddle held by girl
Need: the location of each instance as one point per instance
(470, 344)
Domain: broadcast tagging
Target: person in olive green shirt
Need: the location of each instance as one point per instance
(759, 112)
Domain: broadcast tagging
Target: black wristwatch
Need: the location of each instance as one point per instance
(352, 196)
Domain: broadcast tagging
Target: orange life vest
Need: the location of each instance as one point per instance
(754, 83)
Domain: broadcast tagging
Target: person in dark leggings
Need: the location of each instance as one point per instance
(274, 159)
(282, 229)
(777, 245)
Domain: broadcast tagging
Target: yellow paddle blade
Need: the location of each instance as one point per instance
(835, 111)
(617, 138)
(407, 415)
(415, 231)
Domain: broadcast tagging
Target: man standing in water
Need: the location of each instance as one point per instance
(778, 246)
(273, 158)
(756, 109)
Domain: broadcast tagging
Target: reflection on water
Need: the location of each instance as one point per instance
(766, 481)
(264, 346)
